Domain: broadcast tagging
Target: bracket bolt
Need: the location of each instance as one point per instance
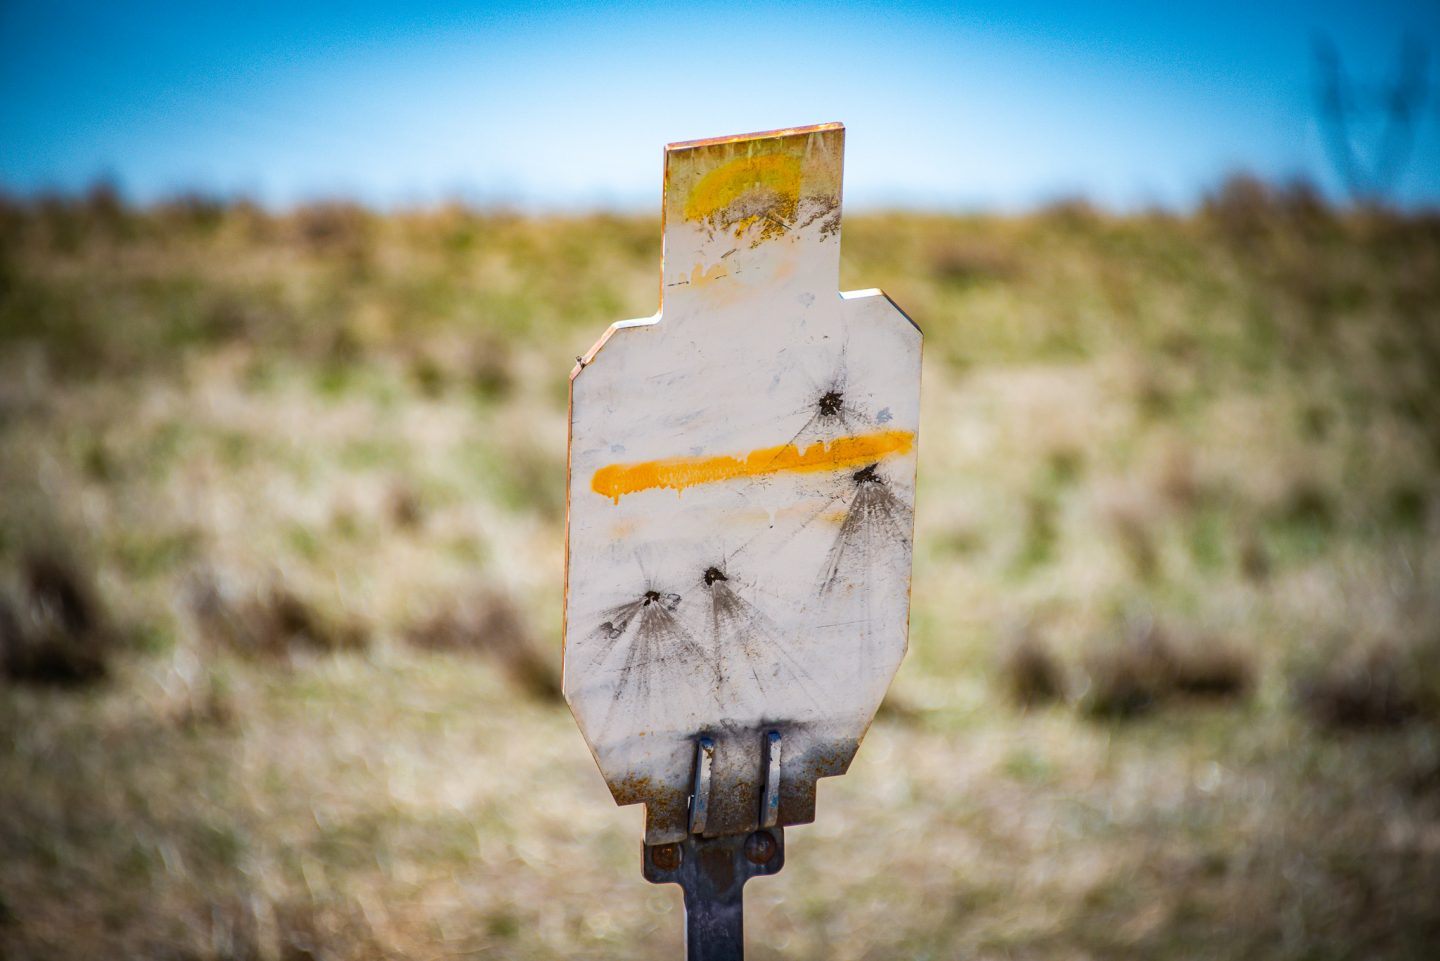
(760, 848)
(666, 857)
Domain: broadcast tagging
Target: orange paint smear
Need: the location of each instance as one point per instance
(617, 480)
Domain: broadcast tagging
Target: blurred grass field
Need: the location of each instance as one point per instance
(282, 507)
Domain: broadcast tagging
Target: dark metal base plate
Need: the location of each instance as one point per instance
(712, 873)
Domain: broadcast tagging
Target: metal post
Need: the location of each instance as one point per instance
(712, 873)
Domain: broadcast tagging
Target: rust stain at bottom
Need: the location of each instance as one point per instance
(633, 790)
(735, 802)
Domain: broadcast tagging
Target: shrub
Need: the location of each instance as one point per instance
(489, 623)
(267, 620)
(1151, 665)
(1030, 673)
(55, 630)
(1377, 686)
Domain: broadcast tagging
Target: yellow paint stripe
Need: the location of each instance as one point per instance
(677, 473)
(774, 175)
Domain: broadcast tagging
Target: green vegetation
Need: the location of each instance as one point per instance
(281, 530)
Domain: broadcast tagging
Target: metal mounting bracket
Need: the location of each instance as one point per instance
(712, 871)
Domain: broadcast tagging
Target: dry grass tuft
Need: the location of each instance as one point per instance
(268, 621)
(1151, 665)
(208, 704)
(1246, 210)
(1209, 667)
(488, 623)
(898, 708)
(296, 929)
(1376, 687)
(1133, 515)
(1254, 559)
(1126, 679)
(1031, 675)
(55, 630)
(331, 227)
(404, 507)
(964, 261)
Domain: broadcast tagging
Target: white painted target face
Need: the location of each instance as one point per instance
(742, 490)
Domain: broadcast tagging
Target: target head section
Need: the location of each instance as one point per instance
(741, 496)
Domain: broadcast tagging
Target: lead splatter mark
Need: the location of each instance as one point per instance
(660, 654)
(862, 561)
(737, 624)
(830, 414)
(874, 520)
(625, 613)
(835, 412)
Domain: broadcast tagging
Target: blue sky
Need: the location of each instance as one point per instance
(960, 106)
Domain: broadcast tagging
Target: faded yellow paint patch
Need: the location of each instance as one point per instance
(616, 480)
(621, 530)
(748, 190)
(700, 277)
